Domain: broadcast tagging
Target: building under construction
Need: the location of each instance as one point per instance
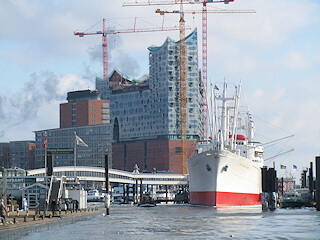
(146, 114)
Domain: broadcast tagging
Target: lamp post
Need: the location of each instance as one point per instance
(107, 199)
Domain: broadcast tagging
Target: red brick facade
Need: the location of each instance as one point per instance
(164, 155)
(88, 112)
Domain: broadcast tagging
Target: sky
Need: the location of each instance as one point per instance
(275, 53)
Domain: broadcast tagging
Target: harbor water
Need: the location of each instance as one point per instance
(189, 222)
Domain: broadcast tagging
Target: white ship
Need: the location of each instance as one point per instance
(226, 171)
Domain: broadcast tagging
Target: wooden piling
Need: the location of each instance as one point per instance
(141, 190)
(310, 178)
(269, 188)
(318, 183)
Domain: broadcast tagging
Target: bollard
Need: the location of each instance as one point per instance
(14, 220)
(25, 218)
(34, 217)
(18, 210)
(27, 211)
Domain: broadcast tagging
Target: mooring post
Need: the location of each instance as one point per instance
(265, 190)
(127, 195)
(272, 193)
(166, 193)
(310, 178)
(318, 183)
(141, 190)
(107, 200)
(136, 192)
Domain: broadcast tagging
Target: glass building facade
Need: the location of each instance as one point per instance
(97, 137)
(150, 107)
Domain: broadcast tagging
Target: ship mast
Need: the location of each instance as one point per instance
(224, 134)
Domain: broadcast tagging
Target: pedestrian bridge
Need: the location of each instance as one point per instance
(97, 174)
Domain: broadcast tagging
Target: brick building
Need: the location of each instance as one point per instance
(87, 116)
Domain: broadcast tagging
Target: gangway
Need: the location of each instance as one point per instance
(55, 190)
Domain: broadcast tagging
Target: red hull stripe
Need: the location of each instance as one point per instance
(224, 198)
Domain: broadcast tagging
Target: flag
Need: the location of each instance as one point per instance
(216, 87)
(283, 167)
(45, 142)
(80, 142)
(294, 168)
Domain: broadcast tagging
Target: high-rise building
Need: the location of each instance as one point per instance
(145, 113)
(84, 108)
(17, 154)
(86, 116)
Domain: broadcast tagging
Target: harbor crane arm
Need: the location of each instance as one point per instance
(105, 32)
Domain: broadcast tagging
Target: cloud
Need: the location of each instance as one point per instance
(40, 90)
(117, 58)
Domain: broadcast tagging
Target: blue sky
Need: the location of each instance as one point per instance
(275, 53)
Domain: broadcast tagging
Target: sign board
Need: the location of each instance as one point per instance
(55, 151)
(30, 180)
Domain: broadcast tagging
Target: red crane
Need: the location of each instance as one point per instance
(105, 32)
(204, 12)
(204, 42)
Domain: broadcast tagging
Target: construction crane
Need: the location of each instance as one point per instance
(152, 3)
(105, 32)
(204, 40)
(183, 91)
(204, 12)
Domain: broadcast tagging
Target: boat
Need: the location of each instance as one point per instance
(147, 201)
(164, 196)
(226, 170)
(95, 196)
(296, 199)
(291, 200)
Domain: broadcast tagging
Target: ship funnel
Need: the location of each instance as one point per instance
(251, 131)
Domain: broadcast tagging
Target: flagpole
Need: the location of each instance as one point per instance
(45, 157)
(75, 154)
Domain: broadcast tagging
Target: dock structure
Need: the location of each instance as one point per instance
(97, 174)
(131, 181)
(269, 189)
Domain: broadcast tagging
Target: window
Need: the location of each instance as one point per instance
(105, 105)
(178, 150)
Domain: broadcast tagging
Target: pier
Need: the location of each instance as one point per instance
(96, 174)
(20, 223)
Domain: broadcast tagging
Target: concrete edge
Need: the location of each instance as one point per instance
(17, 231)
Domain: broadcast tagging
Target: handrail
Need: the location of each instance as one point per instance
(50, 190)
(61, 186)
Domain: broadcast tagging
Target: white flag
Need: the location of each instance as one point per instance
(80, 142)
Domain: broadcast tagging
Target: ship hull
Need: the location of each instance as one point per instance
(222, 178)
